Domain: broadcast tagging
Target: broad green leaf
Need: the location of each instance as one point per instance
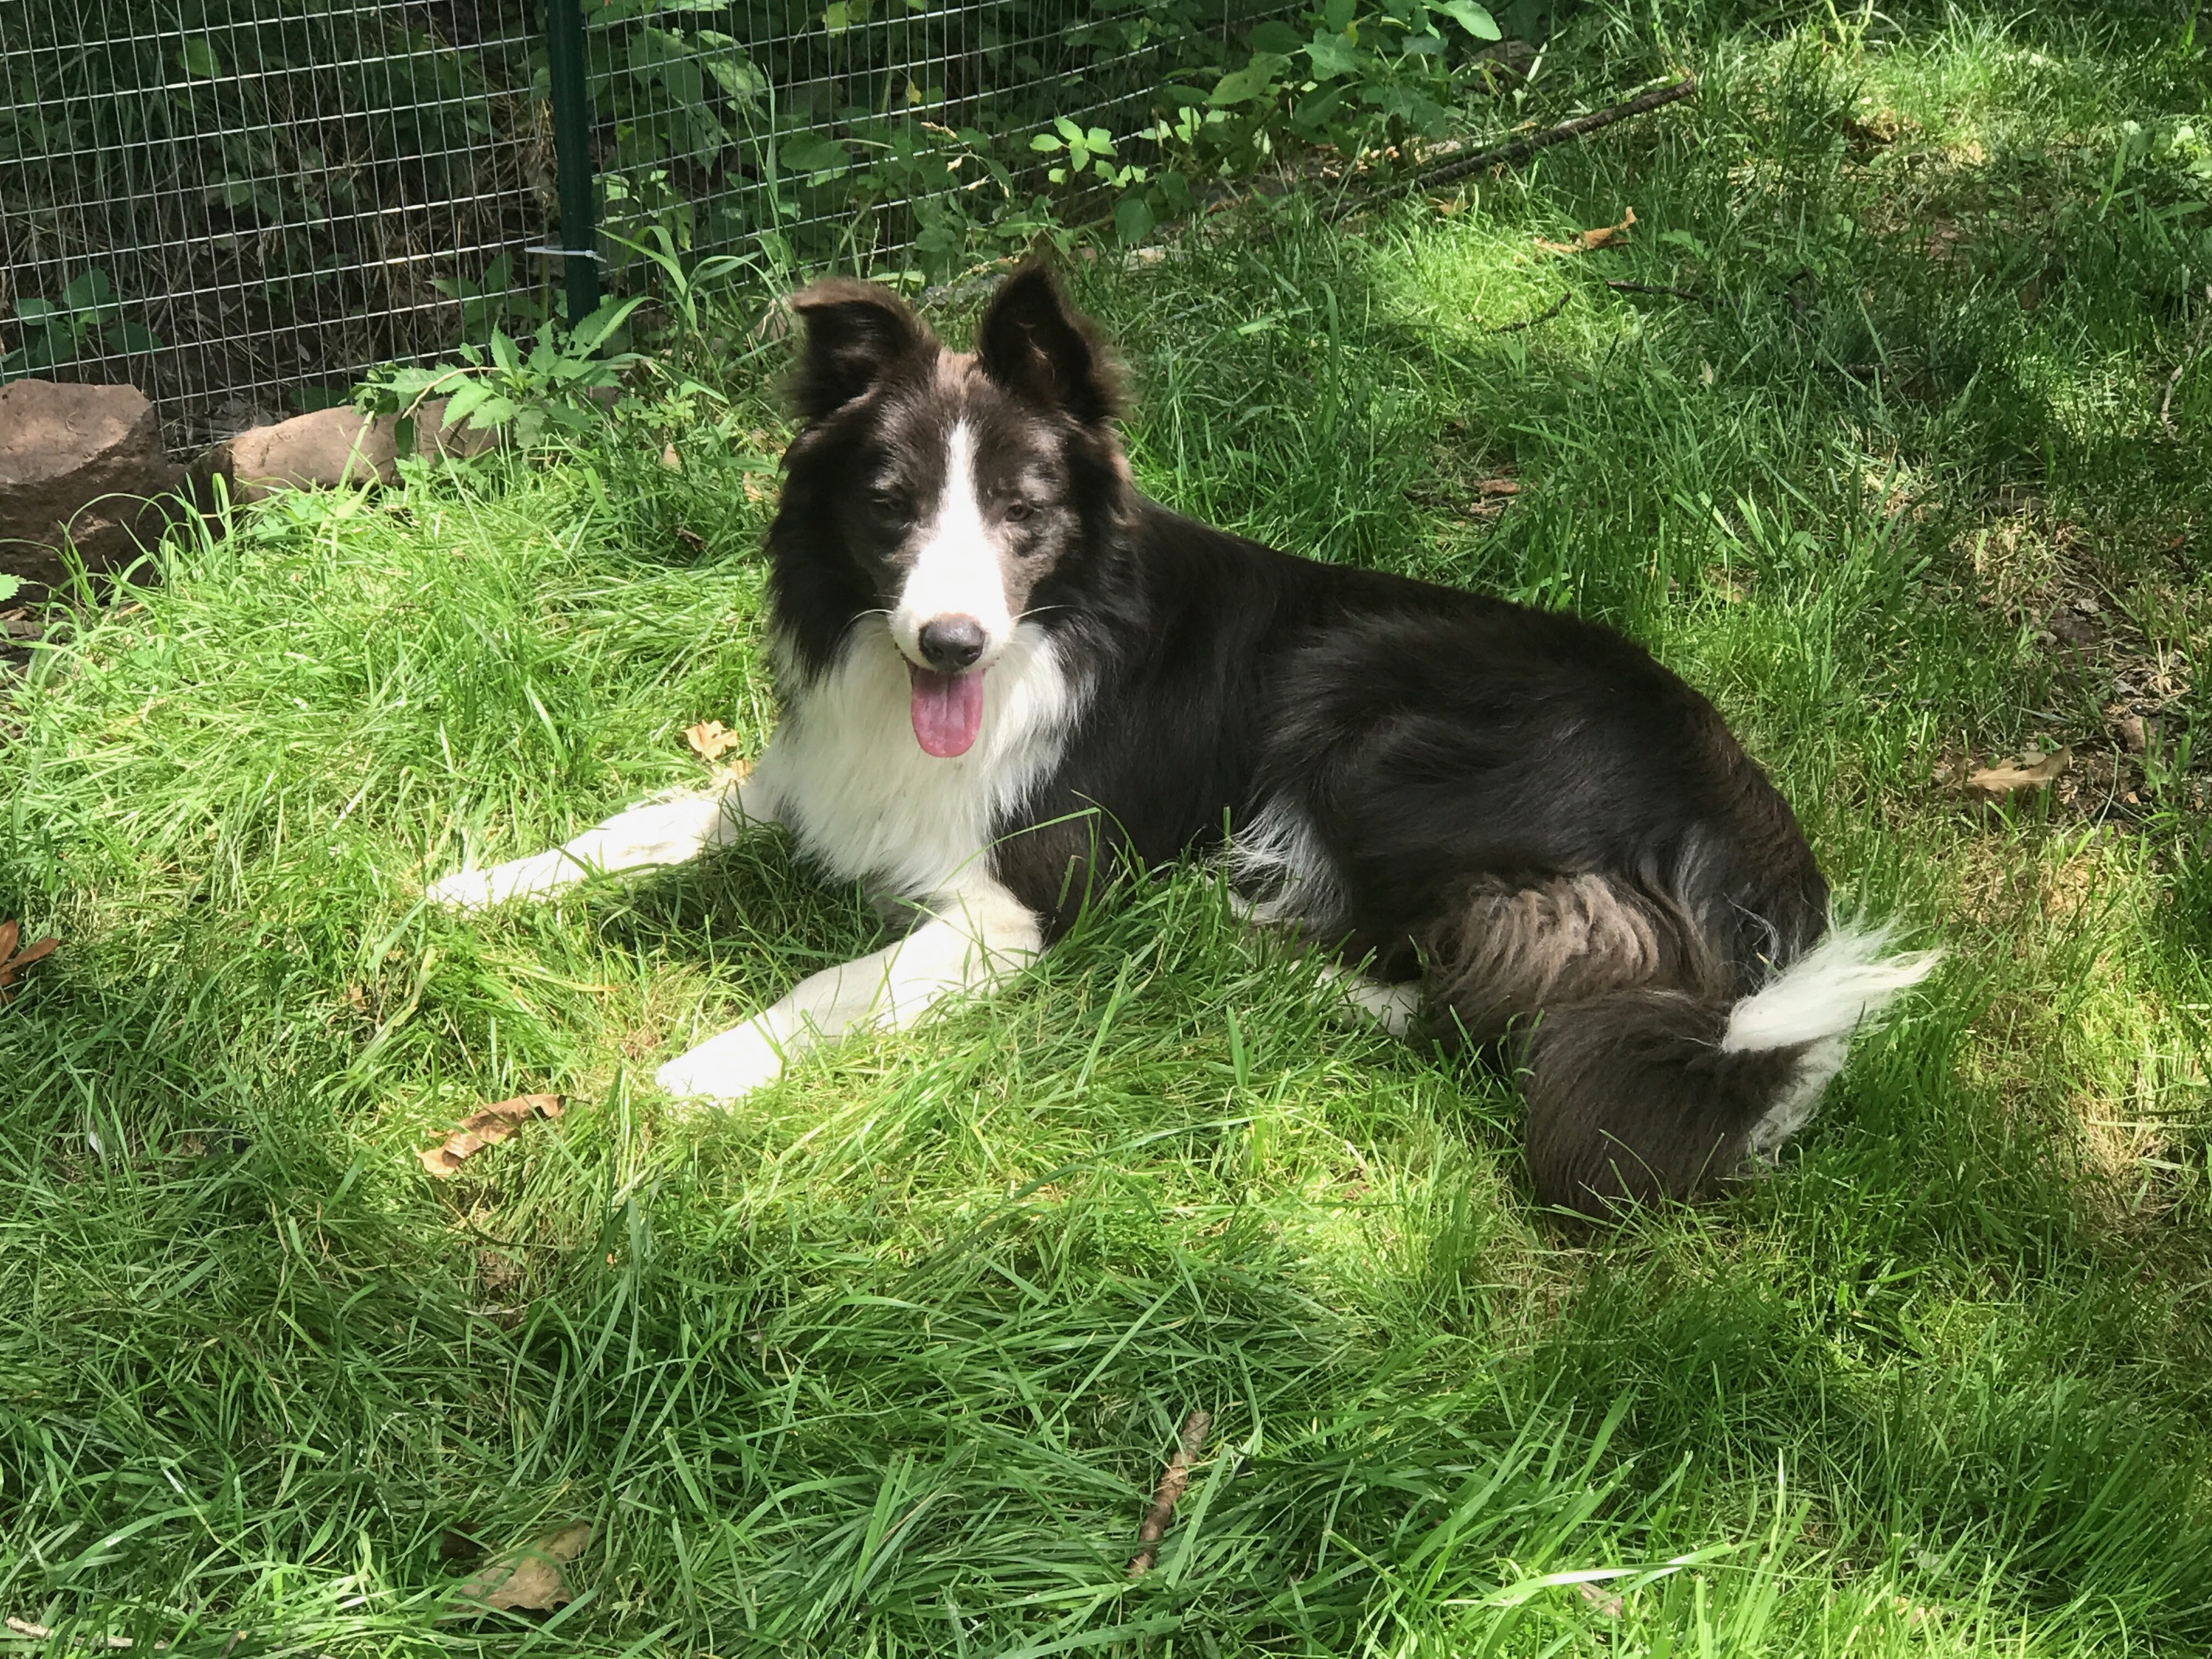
(494, 411)
(1047, 143)
(465, 399)
(92, 288)
(1132, 220)
(10, 586)
(834, 17)
(1242, 86)
(33, 311)
(1317, 108)
(809, 152)
(199, 58)
(1332, 56)
(1471, 17)
(133, 336)
(1276, 36)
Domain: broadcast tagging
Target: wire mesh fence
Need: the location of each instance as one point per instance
(242, 205)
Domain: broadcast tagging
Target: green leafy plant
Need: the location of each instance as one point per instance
(529, 395)
(87, 322)
(496, 299)
(1352, 74)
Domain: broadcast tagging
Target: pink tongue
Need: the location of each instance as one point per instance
(948, 711)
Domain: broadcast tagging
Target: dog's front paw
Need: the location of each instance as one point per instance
(725, 1067)
(464, 890)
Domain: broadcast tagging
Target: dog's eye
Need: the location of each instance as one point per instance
(887, 508)
(1018, 512)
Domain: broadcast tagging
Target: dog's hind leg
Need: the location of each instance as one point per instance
(973, 940)
(1365, 999)
(645, 837)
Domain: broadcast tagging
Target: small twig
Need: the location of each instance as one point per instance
(1173, 1480)
(1501, 154)
(1543, 316)
(2196, 345)
(1620, 287)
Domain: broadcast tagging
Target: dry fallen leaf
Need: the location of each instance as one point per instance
(486, 1128)
(710, 740)
(756, 491)
(690, 538)
(1496, 487)
(1602, 1599)
(2001, 783)
(670, 459)
(1589, 240)
(529, 1579)
(13, 963)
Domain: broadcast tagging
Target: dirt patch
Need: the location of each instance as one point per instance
(2042, 575)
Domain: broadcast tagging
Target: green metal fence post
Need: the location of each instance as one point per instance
(572, 147)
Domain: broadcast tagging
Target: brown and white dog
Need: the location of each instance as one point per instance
(1005, 673)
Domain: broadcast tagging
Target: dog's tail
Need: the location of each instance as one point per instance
(1649, 1073)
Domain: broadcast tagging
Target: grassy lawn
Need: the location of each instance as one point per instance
(889, 1358)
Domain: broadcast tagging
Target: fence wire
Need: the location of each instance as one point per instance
(242, 205)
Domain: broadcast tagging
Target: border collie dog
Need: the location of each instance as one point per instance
(1004, 673)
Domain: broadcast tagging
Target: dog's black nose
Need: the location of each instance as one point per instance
(952, 643)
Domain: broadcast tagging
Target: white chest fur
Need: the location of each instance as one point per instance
(846, 777)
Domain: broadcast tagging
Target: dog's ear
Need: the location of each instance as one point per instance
(855, 331)
(1034, 345)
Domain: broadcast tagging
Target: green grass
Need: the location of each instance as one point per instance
(888, 1358)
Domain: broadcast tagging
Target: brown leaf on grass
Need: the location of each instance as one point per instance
(1590, 241)
(690, 538)
(1496, 487)
(1602, 1599)
(486, 1128)
(15, 963)
(710, 740)
(670, 459)
(756, 491)
(2035, 772)
(529, 1579)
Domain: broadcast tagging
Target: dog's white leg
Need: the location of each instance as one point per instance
(644, 837)
(1395, 1008)
(974, 939)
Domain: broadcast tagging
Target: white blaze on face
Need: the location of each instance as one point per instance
(958, 571)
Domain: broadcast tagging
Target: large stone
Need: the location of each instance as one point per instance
(80, 466)
(332, 446)
(328, 447)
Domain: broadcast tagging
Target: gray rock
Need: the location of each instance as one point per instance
(81, 465)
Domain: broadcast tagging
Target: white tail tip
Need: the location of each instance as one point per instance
(1826, 993)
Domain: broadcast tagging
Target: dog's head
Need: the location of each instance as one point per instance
(941, 487)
